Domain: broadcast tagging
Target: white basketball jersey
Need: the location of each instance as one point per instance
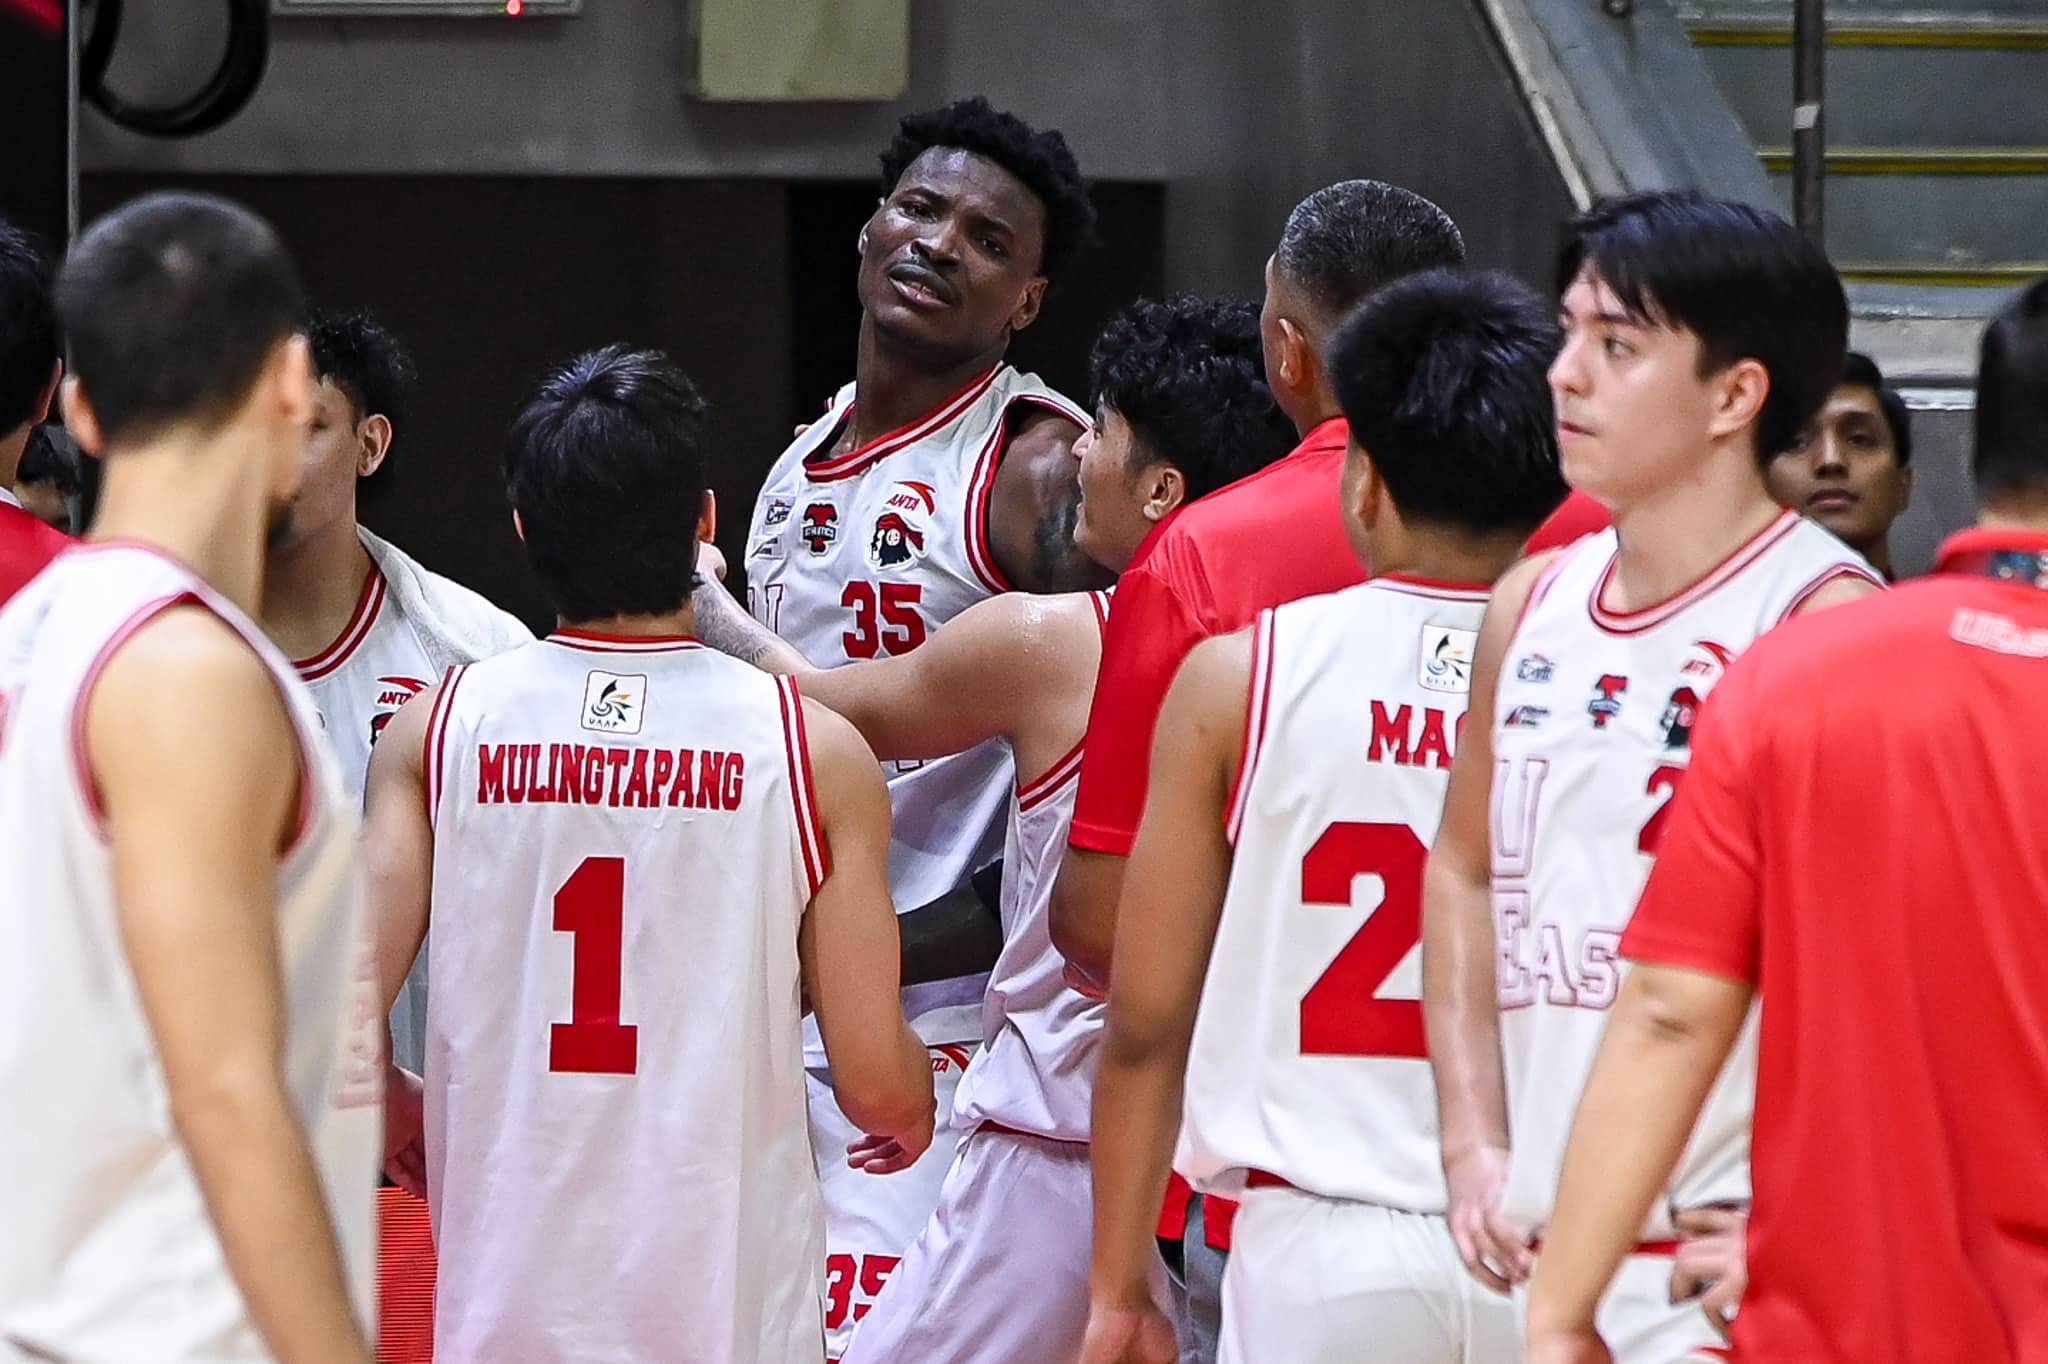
(624, 848)
(1308, 1061)
(1592, 731)
(1036, 1070)
(359, 681)
(863, 555)
(107, 1251)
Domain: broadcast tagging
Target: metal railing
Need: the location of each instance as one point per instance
(1809, 118)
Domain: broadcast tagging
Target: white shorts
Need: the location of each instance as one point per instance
(1641, 1324)
(870, 1220)
(1324, 1281)
(1000, 1274)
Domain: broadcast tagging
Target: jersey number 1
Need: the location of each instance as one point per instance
(591, 905)
(1341, 1014)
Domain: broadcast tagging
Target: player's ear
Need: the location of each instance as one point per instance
(293, 371)
(79, 418)
(373, 442)
(707, 518)
(1739, 393)
(1297, 355)
(1168, 489)
(1026, 311)
(47, 398)
(518, 526)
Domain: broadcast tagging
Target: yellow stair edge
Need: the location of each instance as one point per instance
(1996, 275)
(1920, 160)
(1876, 35)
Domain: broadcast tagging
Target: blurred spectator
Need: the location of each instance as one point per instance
(29, 369)
(1851, 469)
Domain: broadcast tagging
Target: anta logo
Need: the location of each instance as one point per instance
(949, 1056)
(819, 529)
(1679, 714)
(392, 692)
(1706, 658)
(1526, 717)
(1606, 702)
(1447, 658)
(777, 513)
(1534, 668)
(614, 703)
(913, 496)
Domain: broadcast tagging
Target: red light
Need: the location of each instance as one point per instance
(515, 8)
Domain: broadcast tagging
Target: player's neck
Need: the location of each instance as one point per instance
(2025, 513)
(1450, 559)
(1879, 552)
(311, 588)
(1678, 535)
(893, 387)
(663, 625)
(195, 497)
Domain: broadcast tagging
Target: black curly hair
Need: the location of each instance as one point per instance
(1189, 377)
(358, 355)
(1040, 159)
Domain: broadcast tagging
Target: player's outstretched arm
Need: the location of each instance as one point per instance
(1460, 999)
(1034, 504)
(881, 1073)
(1166, 928)
(192, 751)
(1670, 1030)
(398, 842)
(724, 624)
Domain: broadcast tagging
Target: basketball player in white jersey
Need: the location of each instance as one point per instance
(1269, 931)
(1181, 408)
(1700, 337)
(188, 1030)
(634, 854)
(940, 476)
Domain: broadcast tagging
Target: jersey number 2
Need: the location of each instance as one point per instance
(1340, 1014)
(591, 905)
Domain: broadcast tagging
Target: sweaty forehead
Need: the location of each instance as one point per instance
(976, 183)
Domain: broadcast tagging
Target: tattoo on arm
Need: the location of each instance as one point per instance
(725, 625)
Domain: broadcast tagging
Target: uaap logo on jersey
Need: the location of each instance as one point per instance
(819, 529)
(1447, 658)
(903, 526)
(614, 703)
(392, 692)
(1606, 702)
(1534, 668)
(1679, 714)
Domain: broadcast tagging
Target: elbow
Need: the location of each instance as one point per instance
(214, 1108)
(893, 1102)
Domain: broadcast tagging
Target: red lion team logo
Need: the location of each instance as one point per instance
(1679, 714)
(1606, 702)
(819, 529)
(894, 542)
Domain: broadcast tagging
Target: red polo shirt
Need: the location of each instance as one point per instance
(1862, 833)
(26, 544)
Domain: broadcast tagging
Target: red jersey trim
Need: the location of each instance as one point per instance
(981, 489)
(1049, 782)
(1101, 602)
(1833, 573)
(368, 603)
(594, 642)
(308, 802)
(1443, 589)
(856, 460)
(1649, 617)
(810, 836)
(434, 758)
(1258, 705)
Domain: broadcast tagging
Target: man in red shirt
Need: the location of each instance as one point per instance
(1879, 858)
(28, 381)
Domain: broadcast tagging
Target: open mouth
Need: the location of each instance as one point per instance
(921, 287)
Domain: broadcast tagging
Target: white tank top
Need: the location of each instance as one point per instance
(624, 848)
(1308, 1061)
(863, 555)
(360, 680)
(1036, 1070)
(106, 1247)
(1592, 731)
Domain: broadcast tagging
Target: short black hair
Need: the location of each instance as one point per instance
(1741, 279)
(1348, 240)
(1860, 371)
(359, 355)
(2012, 399)
(172, 306)
(605, 466)
(51, 457)
(28, 326)
(1444, 378)
(1187, 375)
(1041, 160)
